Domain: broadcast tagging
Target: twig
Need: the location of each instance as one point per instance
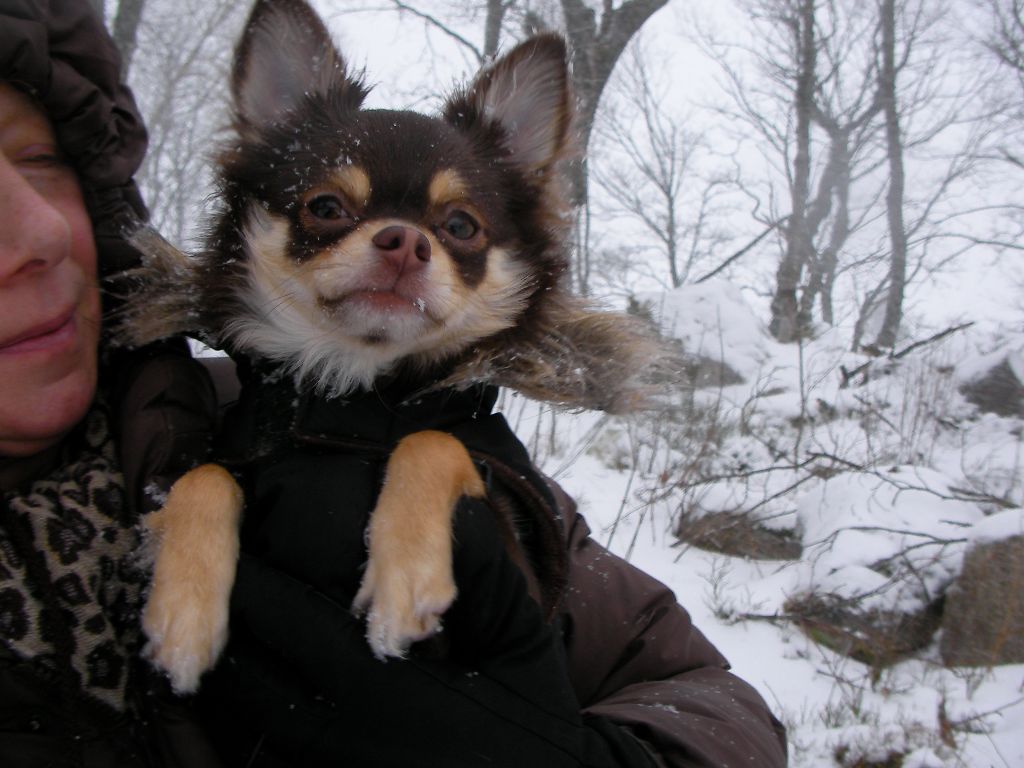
(963, 721)
(848, 375)
(983, 498)
(941, 334)
(741, 252)
(435, 22)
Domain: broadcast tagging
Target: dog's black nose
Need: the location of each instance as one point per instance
(406, 247)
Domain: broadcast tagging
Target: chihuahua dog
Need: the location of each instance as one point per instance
(352, 244)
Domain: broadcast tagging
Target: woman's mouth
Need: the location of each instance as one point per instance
(45, 336)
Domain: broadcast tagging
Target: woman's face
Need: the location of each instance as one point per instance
(49, 296)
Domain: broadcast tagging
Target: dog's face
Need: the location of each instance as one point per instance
(361, 239)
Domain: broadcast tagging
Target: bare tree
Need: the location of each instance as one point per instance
(839, 118)
(834, 95)
(844, 107)
(937, 127)
(888, 96)
(496, 13)
(799, 17)
(648, 171)
(813, 105)
(179, 75)
(597, 43)
(1007, 38)
(126, 29)
(1006, 41)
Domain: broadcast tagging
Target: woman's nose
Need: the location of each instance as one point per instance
(36, 235)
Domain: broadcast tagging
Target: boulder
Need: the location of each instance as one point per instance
(998, 387)
(872, 636)
(740, 535)
(983, 622)
(703, 372)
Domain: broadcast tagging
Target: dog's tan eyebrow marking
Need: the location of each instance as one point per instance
(354, 183)
(446, 187)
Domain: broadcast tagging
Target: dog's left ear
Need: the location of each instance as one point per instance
(525, 94)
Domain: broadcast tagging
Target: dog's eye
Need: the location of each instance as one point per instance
(461, 225)
(327, 207)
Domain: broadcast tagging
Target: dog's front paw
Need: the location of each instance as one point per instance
(194, 542)
(186, 632)
(409, 582)
(404, 601)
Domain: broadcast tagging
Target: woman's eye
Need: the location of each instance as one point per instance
(40, 156)
(327, 207)
(461, 226)
(44, 158)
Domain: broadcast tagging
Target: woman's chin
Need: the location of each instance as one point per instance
(41, 413)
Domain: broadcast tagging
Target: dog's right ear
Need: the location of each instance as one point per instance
(284, 56)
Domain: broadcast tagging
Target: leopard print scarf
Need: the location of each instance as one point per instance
(70, 582)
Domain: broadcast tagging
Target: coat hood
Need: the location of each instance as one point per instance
(59, 52)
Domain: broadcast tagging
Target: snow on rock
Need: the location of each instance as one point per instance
(974, 365)
(891, 539)
(997, 527)
(995, 381)
(713, 320)
(923, 758)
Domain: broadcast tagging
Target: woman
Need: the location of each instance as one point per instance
(72, 691)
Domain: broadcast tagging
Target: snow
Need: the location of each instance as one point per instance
(857, 520)
(904, 465)
(977, 363)
(997, 527)
(714, 321)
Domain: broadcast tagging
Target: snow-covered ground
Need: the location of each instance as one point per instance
(905, 454)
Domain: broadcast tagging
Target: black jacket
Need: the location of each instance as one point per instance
(43, 724)
(313, 468)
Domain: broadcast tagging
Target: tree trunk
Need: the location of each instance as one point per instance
(894, 198)
(126, 30)
(840, 232)
(595, 50)
(672, 246)
(785, 324)
(581, 264)
(835, 183)
(492, 27)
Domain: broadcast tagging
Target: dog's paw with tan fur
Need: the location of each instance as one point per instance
(195, 536)
(186, 628)
(409, 584)
(404, 599)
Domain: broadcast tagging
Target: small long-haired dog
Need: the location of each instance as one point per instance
(352, 244)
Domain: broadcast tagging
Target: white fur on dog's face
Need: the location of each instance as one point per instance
(339, 319)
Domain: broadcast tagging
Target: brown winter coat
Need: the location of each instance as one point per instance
(640, 662)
